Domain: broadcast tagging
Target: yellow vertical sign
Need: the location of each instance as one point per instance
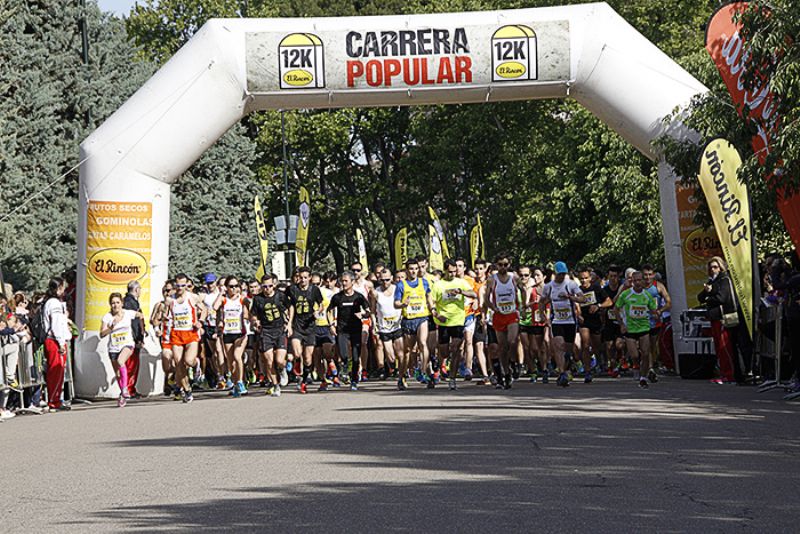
(730, 209)
(301, 245)
(474, 244)
(401, 248)
(118, 251)
(263, 238)
(362, 250)
(439, 233)
(435, 259)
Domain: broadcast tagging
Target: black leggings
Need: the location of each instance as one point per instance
(354, 338)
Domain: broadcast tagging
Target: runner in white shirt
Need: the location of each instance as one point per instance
(365, 287)
(562, 294)
(232, 315)
(387, 322)
(117, 323)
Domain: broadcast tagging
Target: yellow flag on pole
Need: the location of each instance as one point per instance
(263, 238)
(474, 244)
(482, 252)
(730, 209)
(301, 245)
(435, 259)
(401, 248)
(439, 233)
(362, 250)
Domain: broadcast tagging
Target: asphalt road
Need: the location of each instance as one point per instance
(608, 457)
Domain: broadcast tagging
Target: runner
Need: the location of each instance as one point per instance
(324, 342)
(304, 300)
(524, 347)
(387, 324)
(505, 303)
(411, 296)
(612, 335)
(349, 308)
(187, 315)
(362, 285)
(479, 334)
(539, 336)
(447, 300)
(433, 338)
(160, 322)
(232, 315)
(470, 307)
(634, 308)
(562, 294)
(270, 308)
(118, 323)
(212, 342)
(657, 321)
(590, 320)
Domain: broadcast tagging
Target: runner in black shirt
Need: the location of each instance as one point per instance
(590, 319)
(303, 301)
(350, 308)
(270, 310)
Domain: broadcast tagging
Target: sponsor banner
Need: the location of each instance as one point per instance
(474, 245)
(444, 55)
(730, 208)
(401, 249)
(437, 226)
(729, 51)
(435, 259)
(362, 250)
(118, 251)
(263, 238)
(301, 245)
(698, 245)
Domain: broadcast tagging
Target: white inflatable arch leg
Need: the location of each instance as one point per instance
(232, 67)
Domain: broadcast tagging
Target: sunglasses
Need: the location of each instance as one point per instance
(180, 285)
(233, 286)
(267, 286)
(525, 275)
(503, 264)
(356, 270)
(386, 279)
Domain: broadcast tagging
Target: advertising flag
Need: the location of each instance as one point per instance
(729, 51)
(263, 238)
(730, 209)
(474, 244)
(437, 226)
(301, 246)
(435, 259)
(401, 248)
(362, 250)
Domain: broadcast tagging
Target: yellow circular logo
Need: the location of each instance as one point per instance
(117, 266)
(702, 244)
(298, 77)
(510, 69)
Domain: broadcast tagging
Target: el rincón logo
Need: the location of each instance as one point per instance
(514, 54)
(117, 266)
(301, 62)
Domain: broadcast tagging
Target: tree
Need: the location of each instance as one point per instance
(49, 101)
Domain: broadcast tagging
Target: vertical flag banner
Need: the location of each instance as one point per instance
(482, 250)
(729, 52)
(301, 245)
(474, 244)
(435, 259)
(362, 250)
(439, 233)
(118, 251)
(698, 245)
(263, 238)
(730, 208)
(401, 248)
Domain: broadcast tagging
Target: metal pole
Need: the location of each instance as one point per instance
(84, 29)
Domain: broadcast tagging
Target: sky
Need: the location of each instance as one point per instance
(119, 7)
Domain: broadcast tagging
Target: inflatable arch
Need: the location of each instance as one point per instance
(232, 67)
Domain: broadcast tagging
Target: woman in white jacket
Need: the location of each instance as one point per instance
(59, 334)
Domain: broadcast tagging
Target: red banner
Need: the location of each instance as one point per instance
(729, 51)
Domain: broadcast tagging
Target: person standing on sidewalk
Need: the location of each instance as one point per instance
(720, 300)
(59, 334)
(131, 302)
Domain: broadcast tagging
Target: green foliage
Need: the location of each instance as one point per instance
(50, 101)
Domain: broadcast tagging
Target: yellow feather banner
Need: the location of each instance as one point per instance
(301, 246)
(401, 248)
(435, 259)
(362, 250)
(474, 244)
(439, 232)
(263, 238)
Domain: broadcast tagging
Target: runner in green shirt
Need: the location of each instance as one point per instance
(447, 302)
(634, 307)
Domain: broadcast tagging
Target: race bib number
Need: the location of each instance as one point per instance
(590, 298)
(233, 325)
(638, 312)
(538, 317)
(450, 295)
(118, 339)
(391, 321)
(562, 313)
(182, 321)
(506, 306)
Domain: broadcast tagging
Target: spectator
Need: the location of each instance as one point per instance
(56, 324)
(10, 329)
(131, 302)
(719, 299)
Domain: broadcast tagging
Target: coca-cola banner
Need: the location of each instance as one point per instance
(729, 51)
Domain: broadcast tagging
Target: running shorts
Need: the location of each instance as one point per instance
(566, 331)
(531, 329)
(636, 335)
(595, 326)
(307, 338)
(611, 332)
(229, 339)
(179, 338)
(501, 321)
(411, 326)
(323, 336)
(448, 332)
(491, 336)
(480, 332)
(391, 336)
(272, 340)
(432, 326)
(469, 324)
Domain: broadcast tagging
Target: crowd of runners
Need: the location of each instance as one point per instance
(492, 324)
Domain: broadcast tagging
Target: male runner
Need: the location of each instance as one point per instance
(187, 314)
(446, 299)
(659, 292)
(505, 303)
(612, 335)
(590, 320)
(411, 296)
(162, 326)
(562, 294)
(362, 285)
(526, 330)
(304, 300)
(479, 335)
(349, 307)
(212, 342)
(387, 324)
(634, 308)
(271, 309)
(470, 306)
(323, 345)
(433, 339)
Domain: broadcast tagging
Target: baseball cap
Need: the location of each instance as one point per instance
(209, 278)
(561, 267)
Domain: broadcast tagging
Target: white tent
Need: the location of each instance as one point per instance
(232, 67)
